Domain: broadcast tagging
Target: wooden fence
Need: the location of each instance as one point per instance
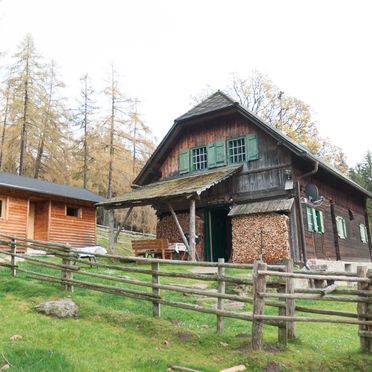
(268, 282)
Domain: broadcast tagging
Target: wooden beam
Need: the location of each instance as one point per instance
(179, 227)
(192, 230)
(122, 225)
(111, 220)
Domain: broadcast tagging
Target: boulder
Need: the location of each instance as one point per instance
(62, 308)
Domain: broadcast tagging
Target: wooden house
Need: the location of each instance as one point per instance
(41, 210)
(245, 189)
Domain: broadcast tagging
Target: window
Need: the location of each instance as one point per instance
(73, 211)
(237, 150)
(363, 233)
(2, 207)
(199, 158)
(341, 227)
(315, 220)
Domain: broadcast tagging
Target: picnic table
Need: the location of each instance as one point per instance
(158, 248)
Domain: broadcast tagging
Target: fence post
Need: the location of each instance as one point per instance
(369, 311)
(221, 290)
(362, 309)
(259, 285)
(67, 275)
(290, 303)
(283, 326)
(13, 250)
(155, 267)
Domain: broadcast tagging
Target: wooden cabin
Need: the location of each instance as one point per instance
(253, 191)
(41, 210)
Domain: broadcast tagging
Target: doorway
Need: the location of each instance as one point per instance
(31, 221)
(217, 233)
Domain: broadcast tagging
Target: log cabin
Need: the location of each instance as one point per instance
(246, 189)
(41, 210)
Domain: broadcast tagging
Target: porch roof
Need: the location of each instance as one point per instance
(171, 189)
(278, 205)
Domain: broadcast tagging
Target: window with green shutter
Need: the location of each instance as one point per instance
(341, 227)
(315, 220)
(199, 158)
(237, 150)
(184, 161)
(363, 233)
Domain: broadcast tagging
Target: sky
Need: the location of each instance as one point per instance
(169, 51)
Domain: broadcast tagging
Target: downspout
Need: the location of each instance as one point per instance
(298, 198)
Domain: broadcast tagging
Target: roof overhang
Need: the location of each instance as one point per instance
(176, 188)
(266, 206)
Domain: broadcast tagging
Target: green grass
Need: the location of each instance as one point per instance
(114, 333)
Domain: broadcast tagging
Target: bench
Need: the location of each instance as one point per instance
(152, 248)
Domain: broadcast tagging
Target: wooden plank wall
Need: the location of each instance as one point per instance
(322, 246)
(77, 231)
(15, 221)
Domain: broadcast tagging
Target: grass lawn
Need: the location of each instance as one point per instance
(114, 333)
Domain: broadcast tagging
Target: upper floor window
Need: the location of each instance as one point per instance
(218, 154)
(341, 227)
(237, 150)
(363, 233)
(315, 220)
(199, 158)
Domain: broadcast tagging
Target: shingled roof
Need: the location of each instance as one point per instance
(221, 102)
(215, 102)
(48, 188)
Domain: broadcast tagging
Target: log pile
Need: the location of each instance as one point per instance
(166, 229)
(246, 236)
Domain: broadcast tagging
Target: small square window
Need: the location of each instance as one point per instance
(73, 211)
(237, 150)
(199, 158)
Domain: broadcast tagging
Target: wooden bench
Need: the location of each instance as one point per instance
(152, 248)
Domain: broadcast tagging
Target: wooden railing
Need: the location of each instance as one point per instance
(267, 282)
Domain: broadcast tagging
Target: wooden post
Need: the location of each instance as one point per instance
(13, 249)
(290, 303)
(259, 285)
(155, 266)
(362, 309)
(283, 327)
(67, 275)
(369, 312)
(111, 221)
(221, 290)
(192, 232)
(179, 227)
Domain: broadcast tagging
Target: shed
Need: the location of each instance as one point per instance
(41, 210)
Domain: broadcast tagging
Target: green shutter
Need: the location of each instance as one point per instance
(211, 155)
(216, 154)
(315, 220)
(251, 147)
(362, 233)
(310, 226)
(220, 148)
(184, 161)
(344, 227)
(340, 227)
(321, 221)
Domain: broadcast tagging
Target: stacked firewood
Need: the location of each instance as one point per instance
(256, 234)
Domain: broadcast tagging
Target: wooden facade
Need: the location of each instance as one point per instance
(282, 170)
(44, 217)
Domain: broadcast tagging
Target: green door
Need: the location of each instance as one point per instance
(217, 233)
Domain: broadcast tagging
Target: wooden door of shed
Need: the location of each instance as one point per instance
(31, 221)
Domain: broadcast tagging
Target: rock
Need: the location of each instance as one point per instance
(16, 338)
(238, 368)
(62, 308)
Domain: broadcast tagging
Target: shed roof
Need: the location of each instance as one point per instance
(48, 188)
(173, 188)
(279, 205)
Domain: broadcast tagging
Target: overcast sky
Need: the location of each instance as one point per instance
(168, 51)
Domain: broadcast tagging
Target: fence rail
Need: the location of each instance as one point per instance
(266, 281)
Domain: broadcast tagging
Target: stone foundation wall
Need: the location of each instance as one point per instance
(246, 237)
(166, 229)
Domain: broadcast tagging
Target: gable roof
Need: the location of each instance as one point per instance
(221, 102)
(48, 188)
